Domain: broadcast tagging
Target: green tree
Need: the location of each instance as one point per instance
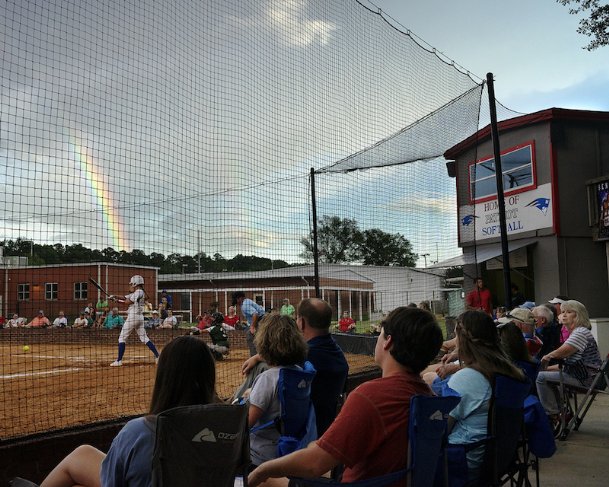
(338, 240)
(382, 248)
(595, 25)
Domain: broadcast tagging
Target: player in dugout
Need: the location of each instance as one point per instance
(410, 339)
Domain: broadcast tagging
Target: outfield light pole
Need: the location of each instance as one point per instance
(425, 257)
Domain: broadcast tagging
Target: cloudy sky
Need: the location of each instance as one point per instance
(531, 47)
(185, 126)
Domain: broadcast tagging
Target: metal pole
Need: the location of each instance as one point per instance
(315, 247)
(199, 250)
(505, 252)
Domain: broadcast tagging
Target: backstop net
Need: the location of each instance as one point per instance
(175, 141)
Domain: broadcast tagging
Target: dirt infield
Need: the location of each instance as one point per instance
(64, 380)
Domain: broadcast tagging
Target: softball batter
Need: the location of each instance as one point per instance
(135, 319)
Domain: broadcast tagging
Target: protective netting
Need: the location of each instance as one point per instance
(173, 140)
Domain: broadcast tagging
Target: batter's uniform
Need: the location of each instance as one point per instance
(135, 317)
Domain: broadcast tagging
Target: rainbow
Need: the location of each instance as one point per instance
(102, 194)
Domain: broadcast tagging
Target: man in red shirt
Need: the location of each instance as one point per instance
(480, 298)
(370, 434)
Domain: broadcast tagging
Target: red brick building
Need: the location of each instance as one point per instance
(66, 287)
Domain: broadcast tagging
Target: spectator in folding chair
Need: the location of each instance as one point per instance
(281, 345)
(482, 357)
(524, 319)
(579, 353)
(186, 375)
(370, 434)
(313, 319)
(514, 345)
(546, 328)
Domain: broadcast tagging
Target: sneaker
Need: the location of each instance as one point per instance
(116, 363)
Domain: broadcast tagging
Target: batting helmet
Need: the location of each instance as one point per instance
(136, 281)
(217, 317)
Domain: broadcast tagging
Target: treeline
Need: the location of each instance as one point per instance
(168, 264)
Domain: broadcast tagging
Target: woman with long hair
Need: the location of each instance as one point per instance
(579, 352)
(481, 357)
(515, 346)
(185, 376)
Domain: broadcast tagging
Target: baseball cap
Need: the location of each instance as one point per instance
(155, 312)
(556, 300)
(519, 314)
(527, 305)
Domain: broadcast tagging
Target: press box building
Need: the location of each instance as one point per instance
(555, 166)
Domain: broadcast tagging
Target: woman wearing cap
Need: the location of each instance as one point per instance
(579, 352)
(135, 319)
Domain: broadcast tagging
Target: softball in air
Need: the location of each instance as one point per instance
(26, 348)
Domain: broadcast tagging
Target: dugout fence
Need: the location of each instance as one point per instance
(175, 140)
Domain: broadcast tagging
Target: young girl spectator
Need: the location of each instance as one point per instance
(481, 357)
(280, 344)
(185, 376)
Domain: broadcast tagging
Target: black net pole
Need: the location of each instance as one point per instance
(315, 247)
(500, 199)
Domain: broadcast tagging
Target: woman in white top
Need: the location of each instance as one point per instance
(135, 319)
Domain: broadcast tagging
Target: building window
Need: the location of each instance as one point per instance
(50, 291)
(23, 292)
(518, 169)
(80, 290)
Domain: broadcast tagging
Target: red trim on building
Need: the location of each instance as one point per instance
(554, 187)
(530, 187)
(530, 119)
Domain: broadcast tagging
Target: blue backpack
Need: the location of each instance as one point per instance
(296, 422)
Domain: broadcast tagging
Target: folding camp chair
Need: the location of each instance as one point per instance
(539, 441)
(296, 421)
(506, 455)
(572, 410)
(201, 445)
(427, 438)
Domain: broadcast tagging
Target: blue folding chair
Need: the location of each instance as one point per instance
(427, 438)
(296, 421)
(505, 448)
